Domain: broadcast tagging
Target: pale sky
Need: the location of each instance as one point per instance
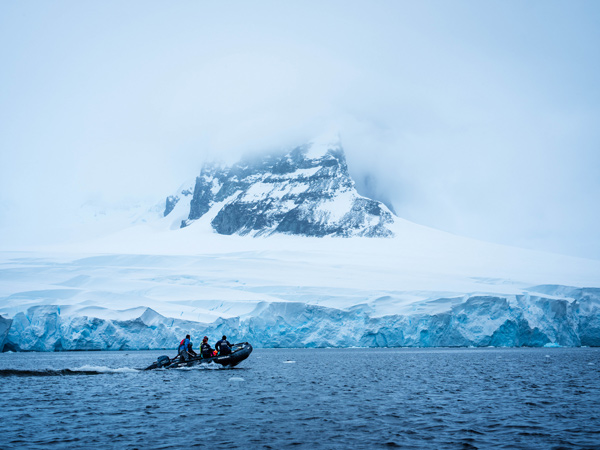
(478, 118)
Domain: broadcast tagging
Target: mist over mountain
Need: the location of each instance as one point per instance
(306, 191)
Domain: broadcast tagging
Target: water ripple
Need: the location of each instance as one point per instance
(330, 399)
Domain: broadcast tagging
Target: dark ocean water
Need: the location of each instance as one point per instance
(305, 399)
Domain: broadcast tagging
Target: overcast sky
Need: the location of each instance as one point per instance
(479, 118)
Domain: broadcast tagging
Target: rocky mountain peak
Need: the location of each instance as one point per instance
(306, 191)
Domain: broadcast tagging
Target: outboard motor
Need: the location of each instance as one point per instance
(162, 361)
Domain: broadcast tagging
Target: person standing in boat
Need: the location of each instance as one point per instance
(205, 349)
(223, 346)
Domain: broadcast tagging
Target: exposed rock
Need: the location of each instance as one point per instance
(307, 191)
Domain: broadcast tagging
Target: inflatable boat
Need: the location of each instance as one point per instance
(239, 352)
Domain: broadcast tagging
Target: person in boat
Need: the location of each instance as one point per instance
(205, 349)
(185, 348)
(223, 347)
(191, 351)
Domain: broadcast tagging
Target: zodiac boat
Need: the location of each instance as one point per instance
(239, 352)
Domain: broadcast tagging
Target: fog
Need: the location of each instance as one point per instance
(478, 118)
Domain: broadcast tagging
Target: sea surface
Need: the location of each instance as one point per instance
(305, 399)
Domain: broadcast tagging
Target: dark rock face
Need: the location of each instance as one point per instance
(170, 204)
(172, 200)
(306, 191)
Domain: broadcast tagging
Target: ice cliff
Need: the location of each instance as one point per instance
(307, 191)
(4, 328)
(536, 319)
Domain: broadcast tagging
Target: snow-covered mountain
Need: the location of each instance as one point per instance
(306, 191)
(280, 251)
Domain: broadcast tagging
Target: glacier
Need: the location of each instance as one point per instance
(282, 251)
(275, 299)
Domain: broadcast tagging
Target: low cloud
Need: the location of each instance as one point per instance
(444, 112)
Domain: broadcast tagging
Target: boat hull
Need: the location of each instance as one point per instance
(239, 354)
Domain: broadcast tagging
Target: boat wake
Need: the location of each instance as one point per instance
(84, 370)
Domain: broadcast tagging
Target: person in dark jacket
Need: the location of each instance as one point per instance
(223, 346)
(205, 349)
